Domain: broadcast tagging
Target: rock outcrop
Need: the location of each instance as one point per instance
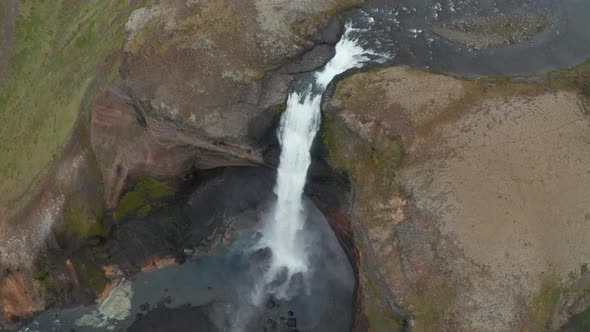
(469, 195)
(201, 83)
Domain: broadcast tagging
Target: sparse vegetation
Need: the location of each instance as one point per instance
(40, 275)
(83, 218)
(281, 108)
(474, 92)
(92, 275)
(62, 48)
(574, 79)
(142, 198)
(543, 304)
(380, 318)
(432, 304)
(371, 165)
(579, 322)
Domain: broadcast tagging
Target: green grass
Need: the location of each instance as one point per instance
(139, 201)
(61, 47)
(432, 304)
(40, 275)
(92, 276)
(579, 322)
(584, 66)
(542, 306)
(83, 217)
(378, 315)
(281, 108)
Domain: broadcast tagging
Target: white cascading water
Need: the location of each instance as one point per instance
(299, 125)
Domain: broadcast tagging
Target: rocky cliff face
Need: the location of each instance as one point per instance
(201, 80)
(459, 190)
(199, 86)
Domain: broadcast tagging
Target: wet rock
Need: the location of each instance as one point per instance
(189, 251)
(281, 277)
(144, 307)
(271, 303)
(291, 322)
(225, 192)
(312, 60)
(330, 31)
(270, 325)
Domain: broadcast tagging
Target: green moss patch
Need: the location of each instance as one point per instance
(371, 165)
(579, 322)
(379, 317)
(576, 79)
(40, 275)
(432, 304)
(83, 213)
(92, 276)
(146, 194)
(543, 305)
(281, 108)
(83, 219)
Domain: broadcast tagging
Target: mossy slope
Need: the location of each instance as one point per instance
(140, 201)
(60, 48)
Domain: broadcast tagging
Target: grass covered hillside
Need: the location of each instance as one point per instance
(58, 52)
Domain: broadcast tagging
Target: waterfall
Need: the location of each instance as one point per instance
(298, 128)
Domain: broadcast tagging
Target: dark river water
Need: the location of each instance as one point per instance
(402, 27)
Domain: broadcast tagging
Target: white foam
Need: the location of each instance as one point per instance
(299, 125)
(349, 54)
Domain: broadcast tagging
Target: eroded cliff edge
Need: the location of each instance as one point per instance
(467, 195)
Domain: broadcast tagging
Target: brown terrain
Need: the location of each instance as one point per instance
(20, 296)
(483, 226)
